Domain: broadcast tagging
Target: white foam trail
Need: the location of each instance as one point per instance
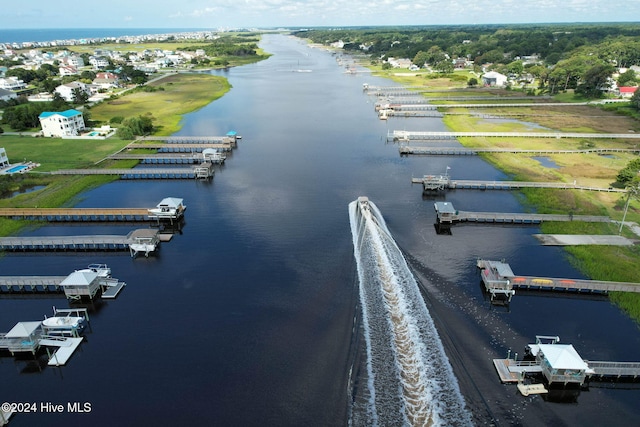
(410, 380)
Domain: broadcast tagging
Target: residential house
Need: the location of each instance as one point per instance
(106, 80)
(12, 83)
(627, 91)
(493, 78)
(66, 70)
(61, 124)
(6, 95)
(99, 62)
(66, 90)
(4, 160)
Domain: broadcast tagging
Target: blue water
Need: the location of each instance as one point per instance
(250, 315)
(51, 34)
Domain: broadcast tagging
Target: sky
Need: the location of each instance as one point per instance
(216, 14)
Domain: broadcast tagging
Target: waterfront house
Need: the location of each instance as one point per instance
(61, 124)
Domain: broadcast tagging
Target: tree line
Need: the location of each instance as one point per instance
(570, 56)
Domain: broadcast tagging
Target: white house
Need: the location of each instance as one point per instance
(65, 123)
(66, 90)
(493, 78)
(67, 70)
(12, 83)
(4, 160)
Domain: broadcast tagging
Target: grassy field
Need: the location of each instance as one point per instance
(598, 262)
(178, 94)
(182, 94)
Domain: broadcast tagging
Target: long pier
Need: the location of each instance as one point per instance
(166, 158)
(431, 183)
(500, 281)
(181, 148)
(447, 214)
(78, 214)
(459, 151)
(403, 135)
(84, 243)
(204, 171)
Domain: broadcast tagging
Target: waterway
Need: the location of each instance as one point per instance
(250, 315)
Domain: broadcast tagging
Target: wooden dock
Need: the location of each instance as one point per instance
(66, 347)
(77, 214)
(82, 243)
(34, 285)
(203, 171)
(459, 151)
(498, 277)
(181, 148)
(403, 135)
(165, 158)
(432, 183)
(447, 214)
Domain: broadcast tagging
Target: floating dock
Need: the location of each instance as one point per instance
(66, 347)
(500, 282)
(434, 183)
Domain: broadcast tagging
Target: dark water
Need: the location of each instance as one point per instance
(246, 316)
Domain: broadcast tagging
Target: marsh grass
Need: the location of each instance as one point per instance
(611, 263)
(183, 93)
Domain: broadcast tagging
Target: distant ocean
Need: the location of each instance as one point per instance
(50, 34)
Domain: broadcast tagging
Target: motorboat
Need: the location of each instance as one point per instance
(63, 322)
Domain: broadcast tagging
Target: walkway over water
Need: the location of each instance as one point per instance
(458, 151)
(181, 148)
(447, 214)
(78, 214)
(166, 158)
(403, 135)
(432, 183)
(204, 171)
(147, 237)
(499, 280)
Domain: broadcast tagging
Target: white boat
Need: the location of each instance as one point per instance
(103, 270)
(169, 208)
(63, 322)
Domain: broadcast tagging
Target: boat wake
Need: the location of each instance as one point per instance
(409, 378)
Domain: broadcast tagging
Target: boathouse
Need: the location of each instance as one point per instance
(560, 363)
(81, 284)
(23, 337)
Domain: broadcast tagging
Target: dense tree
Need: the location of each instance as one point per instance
(635, 100)
(80, 97)
(135, 126)
(595, 80)
(629, 172)
(628, 78)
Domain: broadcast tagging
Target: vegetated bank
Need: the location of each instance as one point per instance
(164, 100)
(614, 263)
